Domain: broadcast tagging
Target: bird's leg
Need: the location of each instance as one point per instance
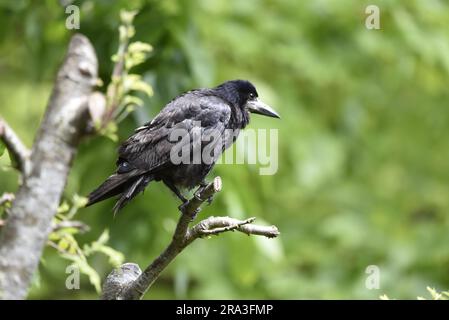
(178, 193)
(185, 202)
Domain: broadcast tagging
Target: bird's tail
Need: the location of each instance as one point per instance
(133, 190)
(126, 185)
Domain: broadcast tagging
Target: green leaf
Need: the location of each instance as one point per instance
(54, 236)
(129, 99)
(104, 237)
(63, 244)
(139, 46)
(116, 258)
(127, 17)
(435, 294)
(139, 85)
(110, 131)
(79, 201)
(63, 207)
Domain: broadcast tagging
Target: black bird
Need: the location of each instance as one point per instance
(206, 118)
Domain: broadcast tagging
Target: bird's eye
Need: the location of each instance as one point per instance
(252, 95)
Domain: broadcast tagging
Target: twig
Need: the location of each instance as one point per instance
(18, 151)
(81, 226)
(120, 285)
(217, 225)
(113, 90)
(266, 231)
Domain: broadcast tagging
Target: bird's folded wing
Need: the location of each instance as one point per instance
(177, 125)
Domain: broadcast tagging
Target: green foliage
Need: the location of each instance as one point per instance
(121, 100)
(434, 295)
(64, 241)
(363, 140)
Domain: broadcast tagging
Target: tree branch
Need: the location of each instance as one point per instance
(129, 283)
(217, 225)
(29, 223)
(75, 224)
(18, 151)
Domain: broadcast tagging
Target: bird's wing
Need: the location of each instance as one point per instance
(150, 147)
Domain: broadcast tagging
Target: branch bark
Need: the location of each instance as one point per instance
(128, 282)
(217, 225)
(29, 223)
(18, 151)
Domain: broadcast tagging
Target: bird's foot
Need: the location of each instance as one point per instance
(198, 192)
(197, 195)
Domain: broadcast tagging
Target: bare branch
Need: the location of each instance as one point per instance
(253, 229)
(18, 151)
(25, 234)
(120, 285)
(217, 225)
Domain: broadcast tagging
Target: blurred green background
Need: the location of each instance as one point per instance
(363, 142)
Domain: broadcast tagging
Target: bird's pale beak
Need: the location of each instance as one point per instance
(257, 106)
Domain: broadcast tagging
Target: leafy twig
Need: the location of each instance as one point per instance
(119, 101)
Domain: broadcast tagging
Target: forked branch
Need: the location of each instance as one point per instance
(128, 282)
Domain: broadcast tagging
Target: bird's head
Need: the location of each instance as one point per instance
(244, 94)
